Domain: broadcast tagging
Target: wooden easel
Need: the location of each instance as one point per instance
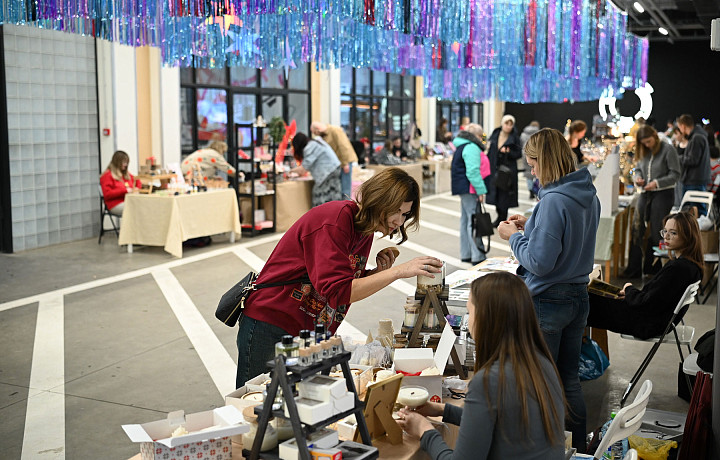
(435, 301)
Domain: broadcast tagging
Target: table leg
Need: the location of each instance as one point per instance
(130, 249)
(607, 271)
(232, 237)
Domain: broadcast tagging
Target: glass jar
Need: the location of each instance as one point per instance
(411, 315)
(270, 441)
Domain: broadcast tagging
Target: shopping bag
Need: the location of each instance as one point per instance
(482, 226)
(593, 361)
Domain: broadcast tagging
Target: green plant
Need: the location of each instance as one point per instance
(276, 129)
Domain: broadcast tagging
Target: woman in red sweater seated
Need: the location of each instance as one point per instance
(116, 181)
(329, 245)
(645, 312)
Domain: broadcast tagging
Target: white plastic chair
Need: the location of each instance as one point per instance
(692, 196)
(627, 421)
(631, 455)
(690, 366)
(683, 336)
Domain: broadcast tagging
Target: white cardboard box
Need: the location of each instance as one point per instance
(311, 411)
(414, 360)
(343, 403)
(321, 439)
(322, 388)
(157, 442)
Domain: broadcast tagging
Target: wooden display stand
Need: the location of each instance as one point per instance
(435, 301)
(379, 401)
(284, 377)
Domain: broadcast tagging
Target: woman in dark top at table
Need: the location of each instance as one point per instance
(514, 406)
(645, 312)
(576, 133)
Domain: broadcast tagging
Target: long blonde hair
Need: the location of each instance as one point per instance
(115, 166)
(505, 330)
(552, 152)
(382, 195)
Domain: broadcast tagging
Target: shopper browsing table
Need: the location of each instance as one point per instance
(319, 160)
(116, 182)
(556, 255)
(330, 245)
(645, 312)
(514, 405)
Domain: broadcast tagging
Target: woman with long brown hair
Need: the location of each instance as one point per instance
(329, 247)
(657, 171)
(514, 405)
(116, 182)
(576, 133)
(645, 312)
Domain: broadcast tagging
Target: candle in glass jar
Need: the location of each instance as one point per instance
(412, 396)
(411, 314)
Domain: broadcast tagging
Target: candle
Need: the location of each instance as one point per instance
(412, 396)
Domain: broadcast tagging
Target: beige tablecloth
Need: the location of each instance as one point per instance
(162, 220)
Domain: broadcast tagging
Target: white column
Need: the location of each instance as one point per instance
(125, 102)
(326, 96)
(493, 111)
(106, 116)
(425, 112)
(170, 114)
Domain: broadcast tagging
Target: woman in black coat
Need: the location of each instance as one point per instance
(504, 149)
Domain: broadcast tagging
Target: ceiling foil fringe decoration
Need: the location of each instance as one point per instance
(468, 50)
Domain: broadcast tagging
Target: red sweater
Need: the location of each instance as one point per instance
(114, 190)
(324, 246)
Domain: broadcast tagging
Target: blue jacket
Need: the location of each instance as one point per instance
(465, 167)
(320, 160)
(559, 241)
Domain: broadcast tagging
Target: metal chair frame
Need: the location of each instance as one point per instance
(104, 211)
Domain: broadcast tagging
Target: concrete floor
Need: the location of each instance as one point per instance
(93, 337)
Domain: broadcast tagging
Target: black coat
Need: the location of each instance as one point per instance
(503, 199)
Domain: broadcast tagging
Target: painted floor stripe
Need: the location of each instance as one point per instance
(44, 436)
(494, 243)
(212, 353)
(136, 273)
(250, 258)
(431, 207)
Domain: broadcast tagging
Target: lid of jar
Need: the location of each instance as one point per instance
(319, 328)
(287, 340)
(304, 334)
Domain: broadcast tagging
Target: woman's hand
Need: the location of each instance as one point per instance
(413, 423)
(640, 181)
(518, 220)
(481, 198)
(431, 409)
(651, 186)
(506, 229)
(425, 265)
(384, 259)
(622, 293)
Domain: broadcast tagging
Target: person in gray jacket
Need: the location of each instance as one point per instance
(695, 160)
(514, 405)
(318, 158)
(656, 173)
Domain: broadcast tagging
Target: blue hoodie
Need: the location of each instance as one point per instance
(559, 241)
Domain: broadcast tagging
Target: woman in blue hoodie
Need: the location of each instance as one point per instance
(556, 254)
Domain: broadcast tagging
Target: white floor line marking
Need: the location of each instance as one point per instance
(212, 353)
(345, 329)
(436, 196)
(440, 209)
(136, 273)
(432, 252)
(250, 258)
(403, 286)
(44, 436)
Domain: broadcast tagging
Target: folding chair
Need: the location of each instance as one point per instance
(683, 336)
(709, 287)
(705, 198)
(627, 421)
(104, 211)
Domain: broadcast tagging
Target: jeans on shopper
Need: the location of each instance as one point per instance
(468, 248)
(562, 312)
(256, 346)
(346, 181)
(702, 208)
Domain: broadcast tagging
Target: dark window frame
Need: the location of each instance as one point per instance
(464, 110)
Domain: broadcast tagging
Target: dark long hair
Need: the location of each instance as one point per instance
(689, 234)
(382, 195)
(506, 329)
(299, 142)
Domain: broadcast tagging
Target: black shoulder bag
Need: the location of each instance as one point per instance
(232, 302)
(482, 226)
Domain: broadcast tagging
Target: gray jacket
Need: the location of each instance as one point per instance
(485, 435)
(695, 161)
(663, 167)
(320, 160)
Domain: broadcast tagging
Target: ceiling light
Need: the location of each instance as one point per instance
(662, 30)
(638, 7)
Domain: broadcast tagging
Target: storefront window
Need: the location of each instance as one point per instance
(210, 76)
(211, 114)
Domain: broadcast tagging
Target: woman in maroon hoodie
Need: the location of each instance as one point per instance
(330, 245)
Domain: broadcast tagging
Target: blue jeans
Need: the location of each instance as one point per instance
(468, 248)
(562, 312)
(346, 181)
(702, 208)
(256, 346)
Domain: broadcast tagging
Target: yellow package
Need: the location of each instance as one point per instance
(651, 448)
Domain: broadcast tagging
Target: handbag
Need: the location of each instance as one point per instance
(232, 302)
(593, 361)
(482, 226)
(503, 178)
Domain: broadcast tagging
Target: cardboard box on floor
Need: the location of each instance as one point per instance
(200, 442)
(414, 360)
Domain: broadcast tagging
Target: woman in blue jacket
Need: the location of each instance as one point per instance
(556, 253)
(467, 182)
(319, 159)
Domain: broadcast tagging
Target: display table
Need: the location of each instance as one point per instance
(441, 174)
(293, 199)
(168, 220)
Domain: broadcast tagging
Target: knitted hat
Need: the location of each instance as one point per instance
(506, 118)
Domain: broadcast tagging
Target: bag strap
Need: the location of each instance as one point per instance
(255, 287)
